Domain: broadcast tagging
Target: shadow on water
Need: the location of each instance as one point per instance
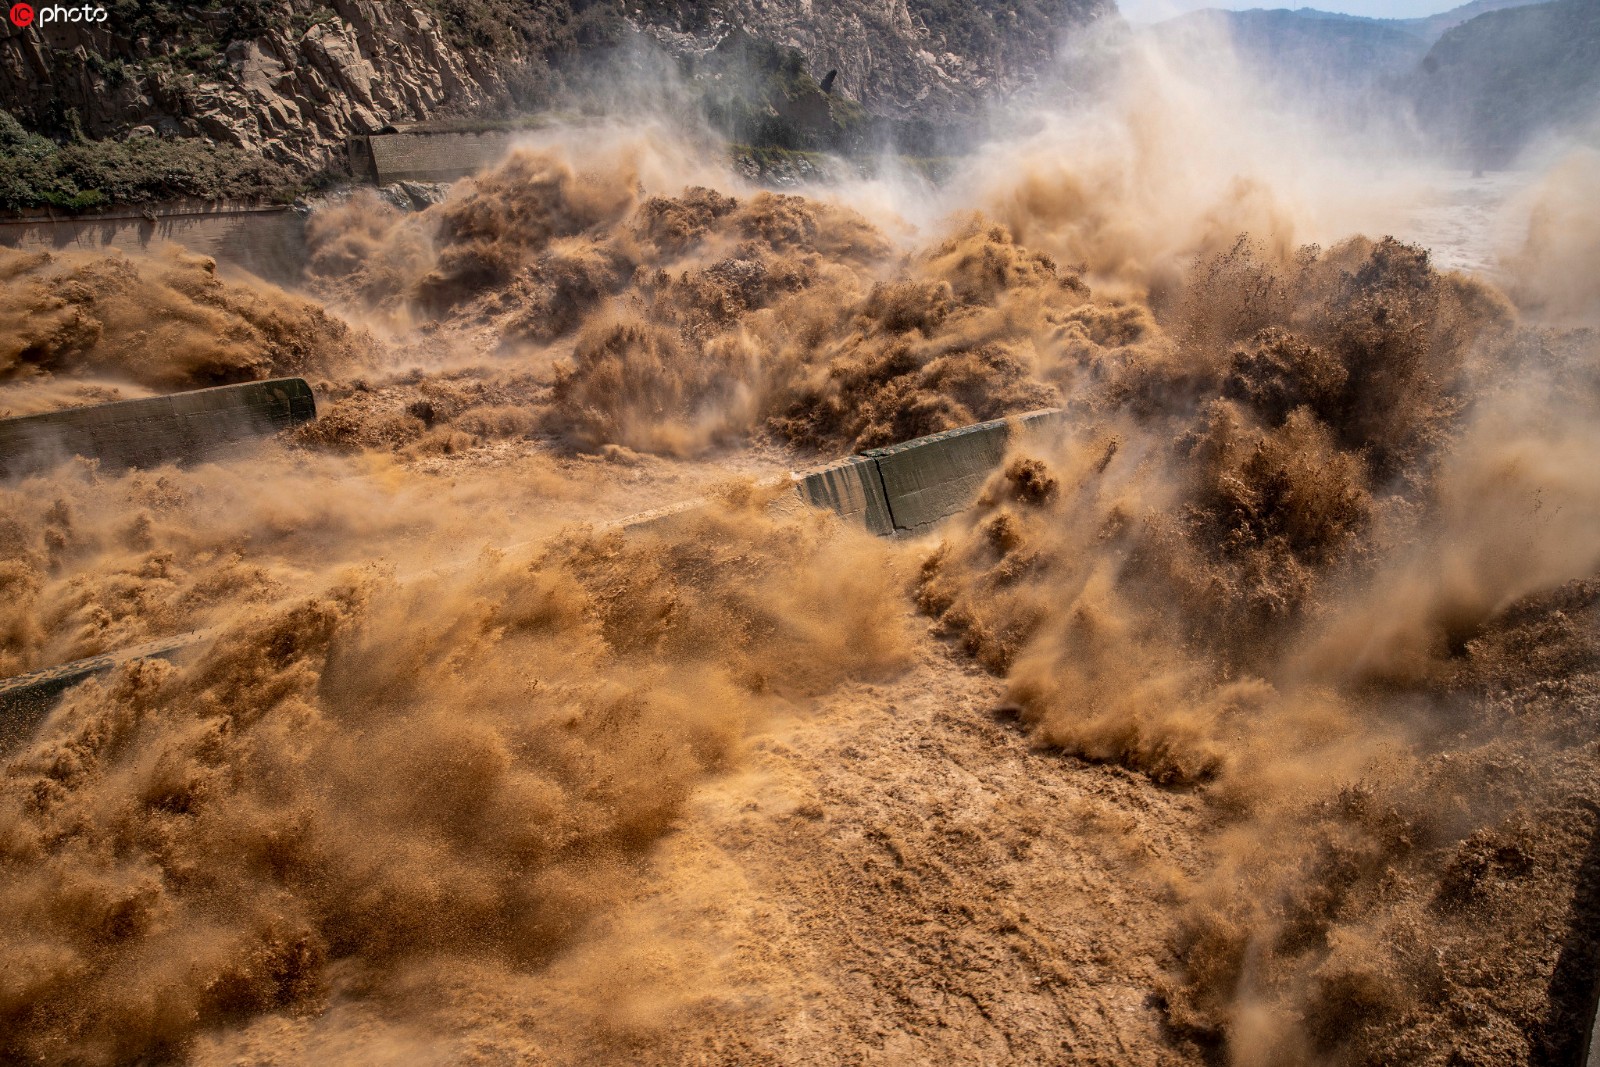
(1575, 983)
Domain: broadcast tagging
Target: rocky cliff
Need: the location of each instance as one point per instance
(905, 58)
(289, 82)
(290, 88)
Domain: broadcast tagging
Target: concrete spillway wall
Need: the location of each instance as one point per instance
(853, 489)
(133, 433)
(155, 430)
(266, 240)
(434, 157)
(908, 487)
(26, 699)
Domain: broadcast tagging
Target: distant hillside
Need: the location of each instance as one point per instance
(1330, 61)
(1492, 83)
(1480, 80)
(1430, 28)
(1325, 51)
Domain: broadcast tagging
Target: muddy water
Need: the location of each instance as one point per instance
(1223, 728)
(1468, 220)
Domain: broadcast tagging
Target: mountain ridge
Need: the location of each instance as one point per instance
(1477, 84)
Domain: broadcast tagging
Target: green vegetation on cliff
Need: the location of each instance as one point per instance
(36, 172)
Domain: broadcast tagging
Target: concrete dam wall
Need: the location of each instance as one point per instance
(908, 487)
(154, 430)
(429, 157)
(268, 241)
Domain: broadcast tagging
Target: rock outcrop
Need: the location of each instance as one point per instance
(906, 58)
(377, 64)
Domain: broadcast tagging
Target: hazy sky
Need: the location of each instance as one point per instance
(1152, 10)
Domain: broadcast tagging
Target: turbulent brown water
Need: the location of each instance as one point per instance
(1307, 588)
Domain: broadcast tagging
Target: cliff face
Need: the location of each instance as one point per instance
(905, 59)
(293, 80)
(291, 91)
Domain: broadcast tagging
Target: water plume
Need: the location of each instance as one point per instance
(165, 322)
(337, 793)
(1555, 268)
(1285, 563)
(1315, 556)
